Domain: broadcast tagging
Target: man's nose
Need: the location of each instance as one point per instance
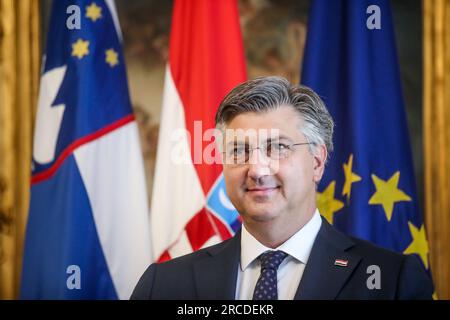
(259, 164)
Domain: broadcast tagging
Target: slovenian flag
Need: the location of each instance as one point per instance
(190, 208)
(88, 227)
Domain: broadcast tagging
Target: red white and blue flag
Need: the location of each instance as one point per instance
(88, 227)
(190, 208)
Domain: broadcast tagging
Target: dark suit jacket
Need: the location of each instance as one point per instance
(211, 273)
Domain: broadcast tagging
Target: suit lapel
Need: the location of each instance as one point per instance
(216, 275)
(322, 279)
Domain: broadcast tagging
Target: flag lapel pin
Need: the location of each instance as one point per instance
(340, 263)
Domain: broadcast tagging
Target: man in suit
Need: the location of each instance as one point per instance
(276, 138)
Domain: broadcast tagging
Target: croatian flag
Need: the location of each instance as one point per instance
(88, 227)
(190, 208)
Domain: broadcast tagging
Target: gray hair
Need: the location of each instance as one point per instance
(269, 93)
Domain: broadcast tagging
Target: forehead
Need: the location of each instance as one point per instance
(284, 119)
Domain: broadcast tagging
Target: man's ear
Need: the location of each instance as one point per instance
(319, 157)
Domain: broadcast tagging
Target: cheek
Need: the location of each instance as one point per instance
(233, 185)
(233, 182)
(296, 173)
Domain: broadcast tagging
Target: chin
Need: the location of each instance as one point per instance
(262, 214)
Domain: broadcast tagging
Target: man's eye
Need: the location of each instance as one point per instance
(237, 151)
(277, 147)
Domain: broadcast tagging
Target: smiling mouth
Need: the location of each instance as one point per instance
(261, 191)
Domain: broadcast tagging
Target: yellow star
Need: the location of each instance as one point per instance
(93, 12)
(387, 193)
(80, 48)
(419, 244)
(327, 204)
(112, 58)
(350, 177)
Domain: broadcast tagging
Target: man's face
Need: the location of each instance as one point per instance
(264, 189)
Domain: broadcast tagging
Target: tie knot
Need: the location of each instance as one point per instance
(272, 259)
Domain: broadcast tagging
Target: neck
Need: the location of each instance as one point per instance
(274, 233)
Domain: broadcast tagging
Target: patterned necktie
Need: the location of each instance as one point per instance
(266, 286)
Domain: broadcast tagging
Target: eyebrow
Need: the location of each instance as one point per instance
(281, 137)
(240, 143)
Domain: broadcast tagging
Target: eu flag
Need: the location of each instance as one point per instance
(369, 189)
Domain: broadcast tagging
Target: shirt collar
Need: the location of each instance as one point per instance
(298, 246)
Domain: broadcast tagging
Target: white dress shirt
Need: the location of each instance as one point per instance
(298, 247)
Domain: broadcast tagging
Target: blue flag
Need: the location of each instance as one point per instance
(88, 234)
(369, 189)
